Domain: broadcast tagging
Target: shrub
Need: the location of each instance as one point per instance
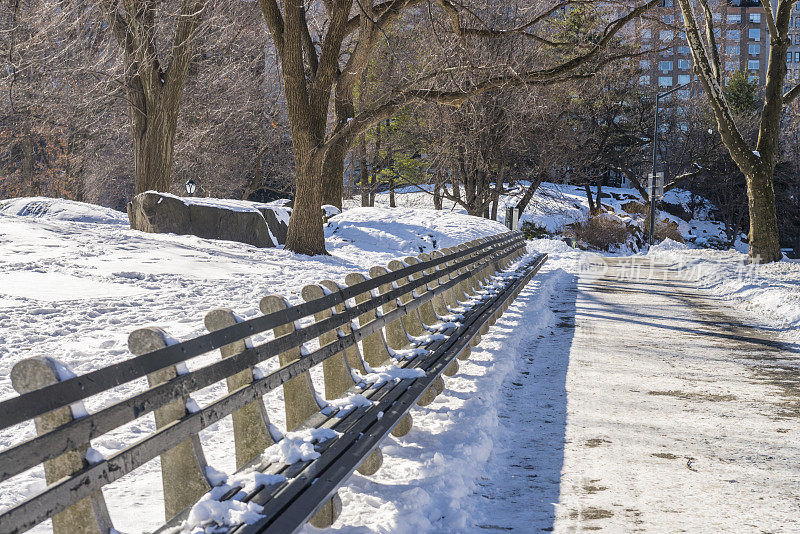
(636, 207)
(665, 229)
(533, 231)
(602, 232)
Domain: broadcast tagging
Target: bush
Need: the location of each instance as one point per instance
(602, 232)
(636, 207)
(533, 231)
(665, 229)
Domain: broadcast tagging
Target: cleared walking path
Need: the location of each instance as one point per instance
(648, 407)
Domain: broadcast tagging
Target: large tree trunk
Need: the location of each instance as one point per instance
(592, 205)
(153, 146)
(526, 198)
(757, 165)
(306, 235)
(763, 235)
(333, 175)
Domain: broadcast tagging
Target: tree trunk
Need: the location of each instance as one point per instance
(28, 162)
(599, 198)
(153, 142)
(392, 199)
(333, 175)
(763, 235)
(526, 198)
(592, 205)
(305, 234)
(437, 192)
(363, 171)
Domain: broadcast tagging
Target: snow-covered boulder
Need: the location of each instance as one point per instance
(231, 220)
(59, 209)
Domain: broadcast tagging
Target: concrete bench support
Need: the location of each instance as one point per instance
(90, 515)
(183, 468)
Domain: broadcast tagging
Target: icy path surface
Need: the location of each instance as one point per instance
(647, 406)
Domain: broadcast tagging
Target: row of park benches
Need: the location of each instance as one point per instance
(384, 342)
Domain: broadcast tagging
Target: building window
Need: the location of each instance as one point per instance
(665, 66)
(667, 35)
(734, 19)
(731, 65)
(755, 18)
(717, 17)
(788, 57)
(644, 64)
(644, 80)
(684, 94)
(797, 57)
(665, 81)
(753, 64)
(754, 49)
(732, 50)
(683, 78)
(754, 34)
(733, 35)
(683, 50)
(667, 3)
(646, 34)
(668, 19)
(753, 78)
(683, 64)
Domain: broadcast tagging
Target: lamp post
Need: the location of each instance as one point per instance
(191, 185)
(659, 96)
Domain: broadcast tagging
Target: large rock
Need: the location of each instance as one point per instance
(246, 222)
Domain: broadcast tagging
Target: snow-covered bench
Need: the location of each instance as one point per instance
(383, 344)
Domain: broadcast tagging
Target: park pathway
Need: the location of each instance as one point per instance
(647, 407)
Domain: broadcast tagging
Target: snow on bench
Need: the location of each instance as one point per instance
(384, 343)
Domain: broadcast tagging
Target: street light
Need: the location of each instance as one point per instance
(190, 187)
(659, 96)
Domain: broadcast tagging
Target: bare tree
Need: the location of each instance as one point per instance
(311, 69)
(757, 162)
(154, 78)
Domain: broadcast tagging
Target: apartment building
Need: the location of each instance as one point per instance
(793, 54)
(742, 40)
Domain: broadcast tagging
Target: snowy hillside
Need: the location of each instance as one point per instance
(556, 206)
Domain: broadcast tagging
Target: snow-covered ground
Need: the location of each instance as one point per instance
(555, 206)
(769, 294)
(75, 281)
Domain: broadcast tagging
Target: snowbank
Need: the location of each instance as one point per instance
(393, 232)
(556, 206)
(770, 292)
